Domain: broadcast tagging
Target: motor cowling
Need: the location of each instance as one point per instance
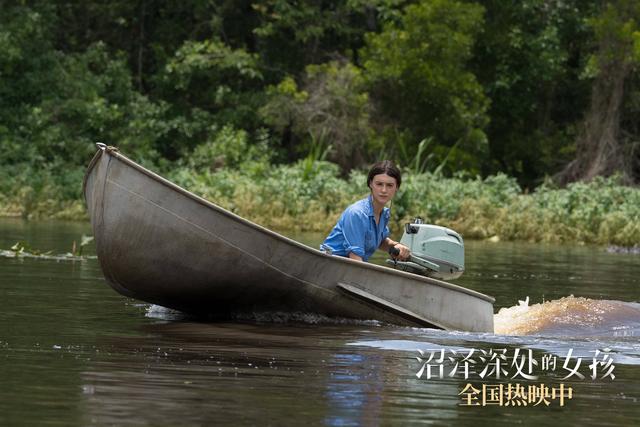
(436, 251)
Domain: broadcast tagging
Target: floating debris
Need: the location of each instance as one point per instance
(24, 250)
(613, 249)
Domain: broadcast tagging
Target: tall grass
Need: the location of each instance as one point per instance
(310, 196)
(289, 197)
(44, 192)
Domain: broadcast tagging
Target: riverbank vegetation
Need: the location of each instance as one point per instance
(296, 197)
(309, 195)
(511, 121)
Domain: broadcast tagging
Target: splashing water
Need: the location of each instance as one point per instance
(569, 316)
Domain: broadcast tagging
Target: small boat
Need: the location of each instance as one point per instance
(161, 244)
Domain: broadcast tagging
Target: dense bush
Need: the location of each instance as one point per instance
(310, 195)
(286, 197)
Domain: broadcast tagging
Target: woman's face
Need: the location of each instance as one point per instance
(383, 188)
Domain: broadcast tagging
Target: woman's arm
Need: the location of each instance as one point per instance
(387, 244)
(354, 256)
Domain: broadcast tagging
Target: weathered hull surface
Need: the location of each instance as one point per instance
(158, 243)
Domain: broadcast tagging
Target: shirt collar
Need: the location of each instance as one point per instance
(385, 210)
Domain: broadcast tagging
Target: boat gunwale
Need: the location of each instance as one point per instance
(112, 151)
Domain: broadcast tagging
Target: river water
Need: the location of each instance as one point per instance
(74, 352)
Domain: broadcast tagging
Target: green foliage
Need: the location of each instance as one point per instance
(289, 197)
(618, 30)
(295, 34)
(285, 196)
(209, 59)
(46, 191)
(228, 148)
(418, 71)
(436, 198)
(602, 211)
(422, 160)
(208, 83)
(315, 159)
(528, 60)
(213, 77)
(217, 94)
(92, 96)
(332, 105)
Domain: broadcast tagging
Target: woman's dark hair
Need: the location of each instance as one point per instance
(384, 167)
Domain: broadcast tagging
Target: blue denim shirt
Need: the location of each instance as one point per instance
(357, 230)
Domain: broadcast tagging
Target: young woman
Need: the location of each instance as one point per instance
(363, 226)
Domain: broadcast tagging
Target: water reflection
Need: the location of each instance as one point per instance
(352, 394)
(254, 372)
(73, 352)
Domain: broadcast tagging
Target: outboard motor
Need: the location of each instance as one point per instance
(436, 251)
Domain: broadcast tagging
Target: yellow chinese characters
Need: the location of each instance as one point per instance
(514, 395)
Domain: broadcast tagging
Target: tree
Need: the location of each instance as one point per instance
(528, 59)
(600, 150)
(293, 34)
(332, 108)
(418, 72)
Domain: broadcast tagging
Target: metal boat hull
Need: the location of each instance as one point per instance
(158, 243)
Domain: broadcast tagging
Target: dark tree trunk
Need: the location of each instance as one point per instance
(600, 148)
(599, 151)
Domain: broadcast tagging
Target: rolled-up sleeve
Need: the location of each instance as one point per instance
(354, 229)
(385, 233)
